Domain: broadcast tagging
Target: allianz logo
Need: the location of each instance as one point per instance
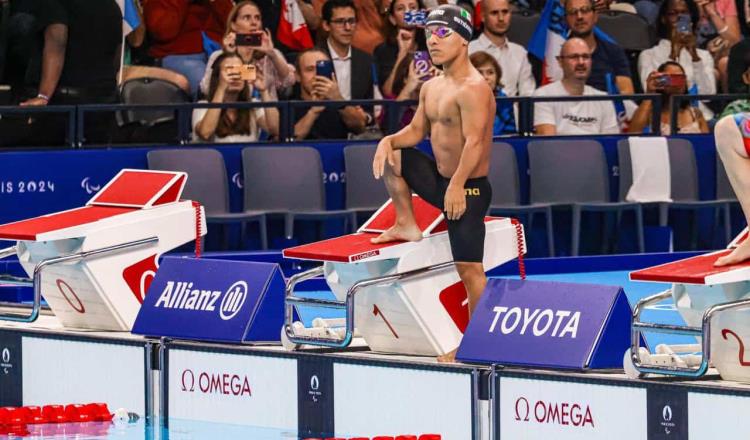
(182, 295)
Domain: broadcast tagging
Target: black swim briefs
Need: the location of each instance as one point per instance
(467, 233)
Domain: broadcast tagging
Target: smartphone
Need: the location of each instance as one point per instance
(324, 68)
(246, 71)
(684, 25)
(416, 17)
(255, 39)
(422, 64)
(671, 80)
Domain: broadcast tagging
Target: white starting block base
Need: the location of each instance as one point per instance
(89, 270)
(420, 315)
(697, 286)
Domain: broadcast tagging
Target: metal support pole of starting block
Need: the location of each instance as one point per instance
(291, 301)
(37, 278)
(703, 332)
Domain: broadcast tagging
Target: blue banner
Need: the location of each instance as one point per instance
(548, 324)
(214, 300)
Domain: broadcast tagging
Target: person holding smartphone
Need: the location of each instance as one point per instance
(401, 40)
(409, 76)
(234, 81)
(317, 82)
(676, 28)
(668, 80)
(246, 37)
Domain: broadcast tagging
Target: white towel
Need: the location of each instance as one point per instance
(651, 173)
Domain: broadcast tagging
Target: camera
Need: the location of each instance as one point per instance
(246, 71)
(671, 80)
(684, 24)
(416, 17)
(324, 68)
(255, 39)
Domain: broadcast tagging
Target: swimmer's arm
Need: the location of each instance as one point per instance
(477, 108)
(416, 130)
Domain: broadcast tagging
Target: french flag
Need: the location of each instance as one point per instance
(292, 30)
(130, 18)
(548, 38)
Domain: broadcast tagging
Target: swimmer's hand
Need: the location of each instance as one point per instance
(455, 202)
(383, 153)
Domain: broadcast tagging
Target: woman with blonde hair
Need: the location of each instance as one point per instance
(245, 18)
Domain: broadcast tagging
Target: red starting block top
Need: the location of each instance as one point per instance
(30, 229)
(695, 270)
(344, 249)
(426, 215)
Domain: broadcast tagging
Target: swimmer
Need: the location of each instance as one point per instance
(457, 110)
(732, 135)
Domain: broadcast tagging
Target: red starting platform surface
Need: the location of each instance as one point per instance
(31, 229)
(344, 249)
(426, 215)
(695, 270)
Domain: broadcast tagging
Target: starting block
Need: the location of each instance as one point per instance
(409, 297)
(715, 304)
(94, 264)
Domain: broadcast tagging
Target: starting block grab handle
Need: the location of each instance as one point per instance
(704, 332)
(291, 301)
(37, 278)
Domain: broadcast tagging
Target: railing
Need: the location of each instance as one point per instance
(75, 136)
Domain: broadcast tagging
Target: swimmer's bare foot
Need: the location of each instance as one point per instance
(447, 358)
(738, 255)
(399, 233)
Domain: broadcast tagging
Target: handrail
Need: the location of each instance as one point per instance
(37, 277)
(77, 114)
(348, 303)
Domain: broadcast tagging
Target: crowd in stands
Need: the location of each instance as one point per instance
(72, 52)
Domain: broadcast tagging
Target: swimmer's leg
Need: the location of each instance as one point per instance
(405, 228)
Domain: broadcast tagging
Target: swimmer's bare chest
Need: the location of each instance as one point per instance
(444, 115)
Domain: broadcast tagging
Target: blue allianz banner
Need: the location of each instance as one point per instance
(214, 300)
(548, 324)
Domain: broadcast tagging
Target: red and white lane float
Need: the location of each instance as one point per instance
(715, 304)
(409, 297)
(94, 264)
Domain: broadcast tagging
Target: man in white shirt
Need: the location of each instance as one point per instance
(517, 77)
(574, 117)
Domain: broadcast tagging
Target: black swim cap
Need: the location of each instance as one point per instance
(454, 17)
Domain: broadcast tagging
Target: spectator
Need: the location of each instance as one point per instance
(400, 41)
(579, 117)
(512, 58)
(320, 122)
(270, 10)
(739, 105)
(72, 60)
(233, 124)
(718, 31)
(176, 29)
(680, 47)
(245, 18)
(136, 40)
(668, 80)
(353, 67)
(739, 62)
(369, 33)
(407, 82)
(606, 57)
(505, 121)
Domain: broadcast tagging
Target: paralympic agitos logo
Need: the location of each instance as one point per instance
(228, 384)
(558, 413)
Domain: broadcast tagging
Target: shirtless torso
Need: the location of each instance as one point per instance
(443, 99)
